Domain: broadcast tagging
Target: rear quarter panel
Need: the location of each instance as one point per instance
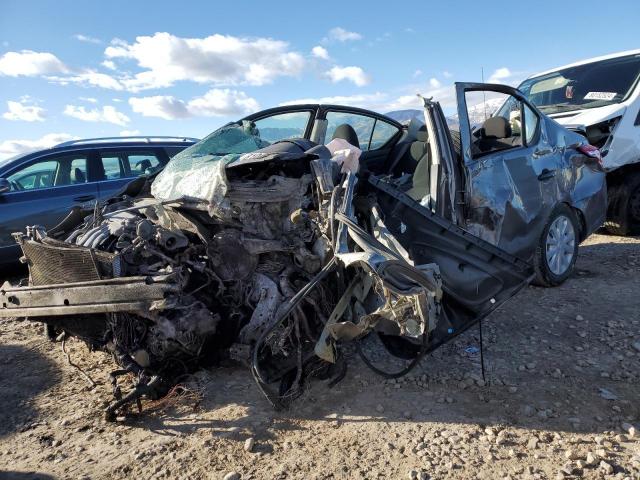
(583, 183)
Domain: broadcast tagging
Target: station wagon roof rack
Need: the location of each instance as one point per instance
(152, 139)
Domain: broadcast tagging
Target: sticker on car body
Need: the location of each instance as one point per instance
(600, 96)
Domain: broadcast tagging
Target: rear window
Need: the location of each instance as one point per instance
(585, 86)
(127, 164)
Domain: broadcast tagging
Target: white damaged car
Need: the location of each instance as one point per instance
(600, 98)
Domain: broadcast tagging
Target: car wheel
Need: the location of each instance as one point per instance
(623, 217)
(557, 248)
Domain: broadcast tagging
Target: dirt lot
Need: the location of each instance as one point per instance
(561, 394)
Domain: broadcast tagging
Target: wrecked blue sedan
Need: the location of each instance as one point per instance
(278, 239)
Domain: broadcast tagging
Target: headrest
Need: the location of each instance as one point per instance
(422, 135)
(346, 132)
(496, 127)
(78, 175)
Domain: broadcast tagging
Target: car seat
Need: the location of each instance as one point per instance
(346, 132)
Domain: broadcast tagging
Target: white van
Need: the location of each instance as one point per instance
(600, 98)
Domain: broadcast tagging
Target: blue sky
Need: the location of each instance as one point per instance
(86, 69)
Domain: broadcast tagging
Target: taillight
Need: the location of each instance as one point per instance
(591, 151)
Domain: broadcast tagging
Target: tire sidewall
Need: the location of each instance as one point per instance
(550, 278)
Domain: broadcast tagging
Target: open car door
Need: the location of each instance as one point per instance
(477, 277)
(510, 162)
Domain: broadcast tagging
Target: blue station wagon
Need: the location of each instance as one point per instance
(39, 188)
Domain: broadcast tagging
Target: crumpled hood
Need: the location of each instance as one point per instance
(589, 116)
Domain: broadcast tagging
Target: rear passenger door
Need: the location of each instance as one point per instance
(121, 165)
(375, 135)
(43, 190)
(509, 165)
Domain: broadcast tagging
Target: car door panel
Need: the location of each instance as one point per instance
(510, 193)
(477, 277)
(46, 207)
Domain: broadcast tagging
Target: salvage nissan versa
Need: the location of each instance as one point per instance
(280, 237)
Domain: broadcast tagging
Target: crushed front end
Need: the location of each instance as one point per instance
(274, 259)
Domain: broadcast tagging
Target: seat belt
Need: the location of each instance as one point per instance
(399, 155)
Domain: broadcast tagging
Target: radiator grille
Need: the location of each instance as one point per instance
(53, 261)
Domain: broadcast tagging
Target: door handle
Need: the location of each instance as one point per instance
(541, 152)
(84, 198)
(546, 174)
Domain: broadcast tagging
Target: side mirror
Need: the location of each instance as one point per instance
(5, 186)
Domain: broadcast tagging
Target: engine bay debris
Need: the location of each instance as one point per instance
(276, 258)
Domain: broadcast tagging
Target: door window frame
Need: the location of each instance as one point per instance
(118, 151)
(273, 112)
(462, 89)
(322, 115)
(53, 156)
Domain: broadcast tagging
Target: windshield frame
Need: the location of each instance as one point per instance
(531, 81)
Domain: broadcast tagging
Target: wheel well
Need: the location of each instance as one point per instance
(582, 223)
(617, 176)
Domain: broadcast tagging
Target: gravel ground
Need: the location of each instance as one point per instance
(561, 400)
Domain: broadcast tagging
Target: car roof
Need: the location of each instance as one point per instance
(590, 60)
(321, 107)
(91, 143)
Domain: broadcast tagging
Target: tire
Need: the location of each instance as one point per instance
(623, 215)
(552, 270)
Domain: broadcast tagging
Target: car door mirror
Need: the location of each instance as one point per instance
(5, 186)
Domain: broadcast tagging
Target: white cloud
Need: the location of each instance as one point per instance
(217, 59)
(29, 63)
(214, 103)
(320, 52)
(161, 106)
(352, 74)
(111, 65)
(225, 102)
(447, 74)
(402, 103)
(500, 75)
(88, 99)
(342, 35)
(130, 133)
(9, 148)
(89, 78)
(434, 83)
(108, 114)
(86, 38)
(23, 112)
(417, 73)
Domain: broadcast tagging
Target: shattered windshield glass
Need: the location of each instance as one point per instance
(197, 173)
(584, 86)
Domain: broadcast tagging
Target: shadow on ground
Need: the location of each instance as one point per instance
(556, 359)
(6, 475)
(24, 374)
